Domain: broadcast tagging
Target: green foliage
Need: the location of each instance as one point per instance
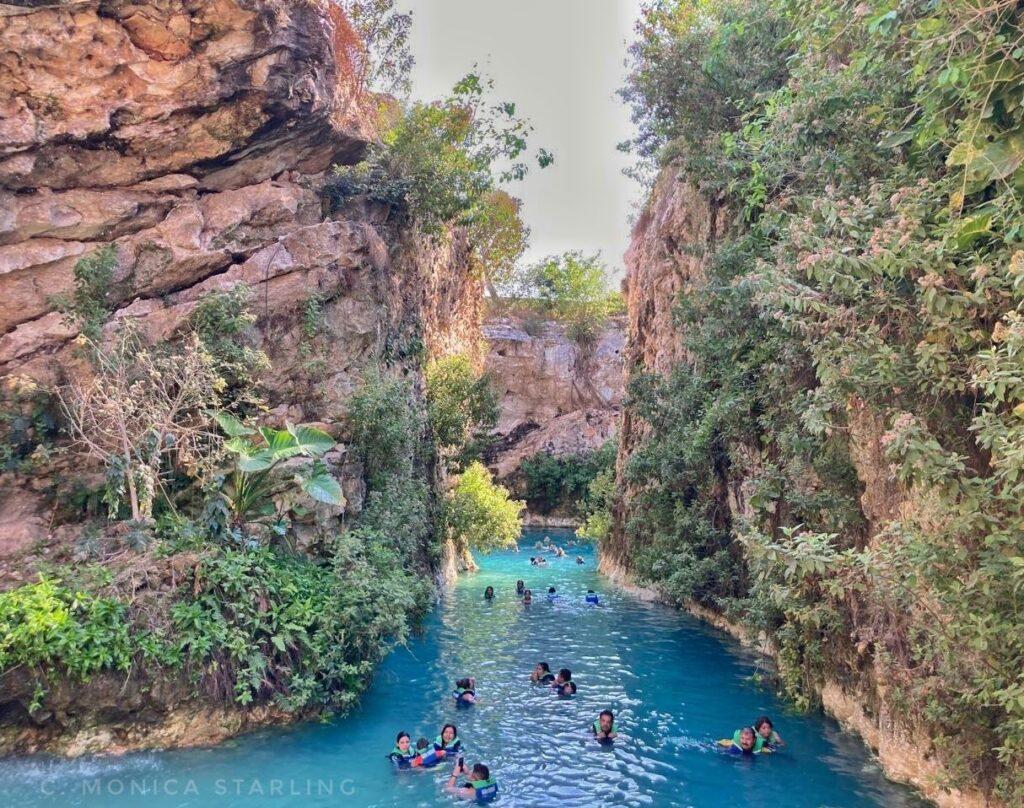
(564, 482)
(462, 408)
(439, 161)
(49, 627)
(574, 289)
(479, 514)
(384, 427)
(224, 321)
(381, 53)
(88, 307)
(264, 625)
(867, 297)
(597, 524)
(254, 492)
(499, 238)
(29, 425)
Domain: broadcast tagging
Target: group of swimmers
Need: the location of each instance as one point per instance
(760, 738)
(526, 595)
(479, 786)
(549, 546)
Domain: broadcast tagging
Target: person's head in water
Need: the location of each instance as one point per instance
(481, 772)
(489, 593)
(606, 720)
(448, 734)
(403, 741)
(422, 744)
(551, 590)
(564, 675)
(747, 739)
(763, 727)
(520, 586)
(567, 689)
(465, 684)
(541, 673)
(527, 596)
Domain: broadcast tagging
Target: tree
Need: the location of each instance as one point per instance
(573, 288)
(380, 54)
(479, 514)
(143, 413)
(461, 406)
(499, 238)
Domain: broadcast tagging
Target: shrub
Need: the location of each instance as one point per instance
(553, 482)
(479, 514)
(462, 408)
(88, 307)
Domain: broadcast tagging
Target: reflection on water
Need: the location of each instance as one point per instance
(674, 685)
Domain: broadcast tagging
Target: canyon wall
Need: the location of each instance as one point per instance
(554, 396)
(671, 243)
(194, 137)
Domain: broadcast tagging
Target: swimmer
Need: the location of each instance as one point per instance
(480, 786)
(564, 675)
(743, 742)
(426, 757)
(542, 674)
(552, 594)
(448, 741)
(567, 690)
(402, 755)
(520, 587)
(766, 732)
(579, 559)
(559, 552)
(592, 598)
(604, 728)
(527, 597)
(465, 691)
(489, 593)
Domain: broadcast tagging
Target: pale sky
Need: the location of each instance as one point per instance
(561, 62)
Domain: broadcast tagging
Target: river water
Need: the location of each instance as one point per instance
(674, 684)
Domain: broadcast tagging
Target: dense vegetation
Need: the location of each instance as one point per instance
(565, 482)
(866, 296)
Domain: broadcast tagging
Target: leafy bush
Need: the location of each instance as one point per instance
(385, 428)
(553, 482)
(264, 625)
(88, 307)
(438, 161)
(479, 514)
(462, 408)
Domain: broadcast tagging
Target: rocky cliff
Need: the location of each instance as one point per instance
(554, 396)
(671, 244)
(193, 136)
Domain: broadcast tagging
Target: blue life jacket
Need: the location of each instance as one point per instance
(592, 598)
(486, 790)
(402, 760)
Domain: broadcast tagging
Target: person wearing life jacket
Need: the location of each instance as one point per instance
(564, 675)
(743, 742)
(604, 728)
(403, 754)
(552, 594)
(542, 674)
(479, 786)
(448, 741)
(592, 598)
(465, 691)
(426, 757)
(766, 732)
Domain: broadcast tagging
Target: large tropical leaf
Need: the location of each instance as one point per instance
(312, 440)
(280, 443)
(323, 488)
(258, 461)
(231, 426)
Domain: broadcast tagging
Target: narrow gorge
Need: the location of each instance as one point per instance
(285, 379)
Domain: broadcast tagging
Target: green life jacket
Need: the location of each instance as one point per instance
(439, 743)
(596, 727)
(486, 790)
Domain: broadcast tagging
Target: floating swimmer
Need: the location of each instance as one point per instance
(766, 732)
(552, 594)
(592, 598)
(448, 741)
(480, 786)
(465, 691)
(604, 728)
(542, 674)
(743, 742)
(403, 754)
(579, 559)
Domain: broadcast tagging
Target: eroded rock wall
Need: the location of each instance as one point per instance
(673, 238)
(554, 396)
(193, 136)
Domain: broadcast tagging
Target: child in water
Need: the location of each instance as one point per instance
(527, 597)
(604, 727)
(489, 593)
(766, 732)
(465, 691)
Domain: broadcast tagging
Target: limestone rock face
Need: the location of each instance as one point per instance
(671, 240)
(193, 136)
(554, 396)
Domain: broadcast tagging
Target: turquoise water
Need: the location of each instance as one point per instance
(674, 685)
